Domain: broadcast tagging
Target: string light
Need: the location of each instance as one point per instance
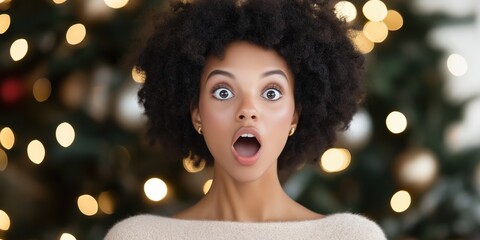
(42, 89)
(393, 20)
(3, 160)
(67, 236)
(207, 185)
(87, 205)
(375, 10)
(376, 32)
(396, 122)
(76, 33)
(105, 202)
(4, 23)
(4, 221)
(335, 160)
(36, 151)
(18, 49)
(137, 75)
(155, 189)
(59, 1)
(65, 134)
(362, 43)
(7, 138)
(345, 10)
(457, 65)
(400, 201)
(115, 4)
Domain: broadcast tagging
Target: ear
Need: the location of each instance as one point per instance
(196, 119)
(296, 115)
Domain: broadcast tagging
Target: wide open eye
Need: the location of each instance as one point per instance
(222, 93)
(272, 94)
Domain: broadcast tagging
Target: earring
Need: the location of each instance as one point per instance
(199, 130)
(292, 131)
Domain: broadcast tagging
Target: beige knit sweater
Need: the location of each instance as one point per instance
(336, 226)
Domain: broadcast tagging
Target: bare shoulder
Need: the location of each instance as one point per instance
(352, 226)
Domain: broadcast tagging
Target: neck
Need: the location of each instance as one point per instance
(254, 201)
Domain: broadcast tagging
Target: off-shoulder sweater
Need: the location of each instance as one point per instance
(336, 226)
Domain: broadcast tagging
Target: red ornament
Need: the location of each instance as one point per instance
(11, 91)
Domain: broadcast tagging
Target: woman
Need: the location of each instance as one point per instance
(252, 87)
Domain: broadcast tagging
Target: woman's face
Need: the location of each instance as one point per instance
(246, 109)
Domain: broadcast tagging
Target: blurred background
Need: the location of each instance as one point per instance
(74, 159)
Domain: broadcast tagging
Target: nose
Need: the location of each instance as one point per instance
(247, 110)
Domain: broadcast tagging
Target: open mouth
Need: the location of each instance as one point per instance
(246, 145)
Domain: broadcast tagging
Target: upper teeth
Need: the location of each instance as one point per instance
(247, 135)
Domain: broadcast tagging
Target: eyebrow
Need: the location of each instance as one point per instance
(230, 75)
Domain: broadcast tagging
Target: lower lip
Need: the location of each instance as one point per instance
(246, 161)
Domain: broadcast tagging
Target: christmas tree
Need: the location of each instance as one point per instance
(74, 158)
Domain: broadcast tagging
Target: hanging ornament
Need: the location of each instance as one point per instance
(416, 169)
(11, 91)
(358, 132)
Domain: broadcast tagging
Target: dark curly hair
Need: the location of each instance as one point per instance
(314, 42)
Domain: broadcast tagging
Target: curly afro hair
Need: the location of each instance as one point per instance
(314, 42)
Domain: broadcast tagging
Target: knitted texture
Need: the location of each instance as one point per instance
(337, 226)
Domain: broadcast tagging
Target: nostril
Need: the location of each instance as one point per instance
(254, 117)
(241, 117)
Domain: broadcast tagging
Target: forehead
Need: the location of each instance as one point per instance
(242, 56)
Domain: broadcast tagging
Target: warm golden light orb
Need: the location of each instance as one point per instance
(4, 23)
(87, 205)
(457, 65)
(19, 49)
(335, 160)
(76, 33)
(393, 20)
(155, 189)
(7, 138)
(375, 10)
(346, 10)
(396, 122)
(376, 32)
(4, 221)
(65, 134)
(36, 151)
(115, 4)
(400, 201)
(42, 89)
(207, 185)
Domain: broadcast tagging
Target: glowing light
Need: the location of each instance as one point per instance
(105, 202)
(457, 65)
(375, 10)
(76, 33)
(137, 75)
(4, 23)
(393, 20)
(189, 165)
(4, 221)
(67, 236)
(3, 160)
(400, 201)
(65, 134)
(36, 151)
(155, 189)
(116, 3)
(7, 138)
(19, 49)
(396, 122)
(345, 10)
(335, 160)
(42, 89)
(59, 1)
(87, 205)
(362, 43)
(207, 186)
(376, 32)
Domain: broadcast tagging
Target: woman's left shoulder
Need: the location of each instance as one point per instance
(352, 226)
